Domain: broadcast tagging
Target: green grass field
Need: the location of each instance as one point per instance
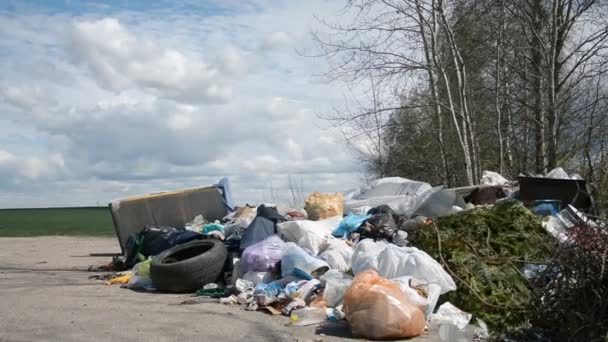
(87, 221)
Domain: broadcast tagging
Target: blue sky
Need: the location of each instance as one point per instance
(102, 100)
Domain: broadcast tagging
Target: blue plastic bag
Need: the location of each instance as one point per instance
(271, 289)
(350, 224)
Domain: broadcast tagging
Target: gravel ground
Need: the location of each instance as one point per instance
(47, 296)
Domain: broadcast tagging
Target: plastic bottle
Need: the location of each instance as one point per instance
(308, 316)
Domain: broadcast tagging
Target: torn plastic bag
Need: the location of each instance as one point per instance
(264, 255)
(321, 206)
(395, 262)
(338, 254)
(297, 262)
(411, 287)
(349, 224)
(366, 255)
(308, 234)
(376, 308)
(335, 286)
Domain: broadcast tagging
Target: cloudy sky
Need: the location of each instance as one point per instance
(102, 100)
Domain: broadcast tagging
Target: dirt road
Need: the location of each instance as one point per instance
(46, 296)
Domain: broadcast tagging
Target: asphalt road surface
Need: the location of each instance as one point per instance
(45, 295)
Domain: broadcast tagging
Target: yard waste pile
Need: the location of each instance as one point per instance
(393, 259)
(486, 250)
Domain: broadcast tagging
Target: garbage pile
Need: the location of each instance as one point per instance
(392, 259)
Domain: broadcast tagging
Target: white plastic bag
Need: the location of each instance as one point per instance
(493, 179)
(308, 234)
(336, 285)
(366, 255)
(395, 262)
(338, 254)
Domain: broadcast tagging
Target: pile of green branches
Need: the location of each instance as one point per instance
(485, 250)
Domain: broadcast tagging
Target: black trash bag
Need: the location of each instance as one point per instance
(379, 226)
(154, 240)
(382, 209)
(263, 226)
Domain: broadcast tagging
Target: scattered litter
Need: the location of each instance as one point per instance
(308, 316)
(452, 322)
(121, 279)
(406, 242)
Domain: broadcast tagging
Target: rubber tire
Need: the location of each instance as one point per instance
(192, 272)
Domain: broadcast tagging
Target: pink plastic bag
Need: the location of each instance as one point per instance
(376, 308)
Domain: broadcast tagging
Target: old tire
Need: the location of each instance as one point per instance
(188, 267)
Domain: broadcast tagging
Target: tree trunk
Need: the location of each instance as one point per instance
(467, 137)
(433, 87)
(497, 100)
(540, 158)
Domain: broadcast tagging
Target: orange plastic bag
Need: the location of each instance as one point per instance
(321, 206)
(376, 308)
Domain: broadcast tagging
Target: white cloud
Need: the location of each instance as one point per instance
(122, 61)
(275, 40)
(98, 107)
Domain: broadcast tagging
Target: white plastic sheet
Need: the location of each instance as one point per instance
(404, 196)
(310, 235)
